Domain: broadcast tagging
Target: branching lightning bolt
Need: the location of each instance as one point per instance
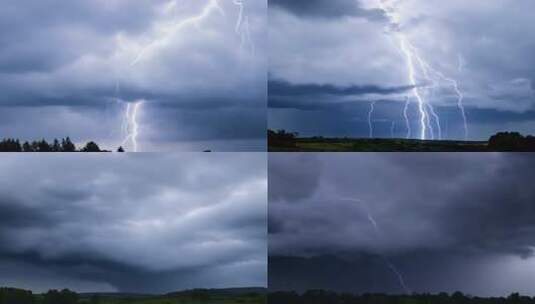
(370, 117)
(376, 229)
(168, 32)
(418, 68)
(130, 125)
(132, 110)
(242, 26)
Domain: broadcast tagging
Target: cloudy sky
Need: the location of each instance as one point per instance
(70, 68)
(139, 223)
(330, 60)
(444, 222)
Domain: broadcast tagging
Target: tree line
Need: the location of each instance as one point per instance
(63, 145)
(511, 142)
(327, 297)
(20, 296)
(500, 142)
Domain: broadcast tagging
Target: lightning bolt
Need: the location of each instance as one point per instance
(370, 116)
(242, 26)
(406, 116)
(392, 129)
(418, 68)
(169, 31)
(130, 125)
(374, 224)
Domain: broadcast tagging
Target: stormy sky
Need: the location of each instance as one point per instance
(351, 46)
(69, 68)
(139, 223)
(445, 222)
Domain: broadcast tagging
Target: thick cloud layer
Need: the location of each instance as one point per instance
(81, 62)
(447, 221)
(485, 45)
(326, 9)
(150, 223)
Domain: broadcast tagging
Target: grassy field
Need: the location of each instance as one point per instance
(378, 145)
(205, 297)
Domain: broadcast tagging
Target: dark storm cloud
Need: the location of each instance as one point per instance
(150, 223)
(78, 56)
(467, 217)
(327, 9)
(284, 88)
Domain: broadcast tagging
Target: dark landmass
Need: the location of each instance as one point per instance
(65, 145)
(194, 296)
(326, 297)
(283, 141)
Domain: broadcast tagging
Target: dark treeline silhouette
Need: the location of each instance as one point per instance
(65, 145)
(19, 296)
(500, 142)
(512, 142)
(282, 138)
(326, 297)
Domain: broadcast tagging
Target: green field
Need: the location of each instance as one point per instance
(378, 145)
(177, 299)
(208, 296)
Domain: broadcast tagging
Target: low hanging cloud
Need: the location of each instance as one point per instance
(327, 9)
(150, 223)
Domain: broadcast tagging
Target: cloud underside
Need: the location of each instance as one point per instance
(138, 224)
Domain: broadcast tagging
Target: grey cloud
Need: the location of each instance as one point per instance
(327, 9)
(465, 216)
(147, 223)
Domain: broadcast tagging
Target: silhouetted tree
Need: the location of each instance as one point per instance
(67, 145)
(282, 138)
(121, 150)
(26, 147)
(43, 146)
(56, 147)
(91, 147)
(16, 296)
(60, 297)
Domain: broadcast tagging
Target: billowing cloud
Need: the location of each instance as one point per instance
(467, 217)
(150, 223)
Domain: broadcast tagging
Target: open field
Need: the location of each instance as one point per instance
(378, 145)
(179, 299)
